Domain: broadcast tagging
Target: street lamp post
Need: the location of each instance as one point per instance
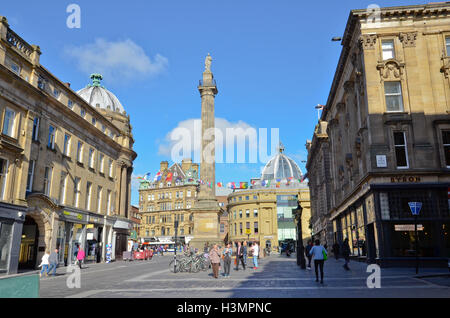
(175, 253)
(300, 249)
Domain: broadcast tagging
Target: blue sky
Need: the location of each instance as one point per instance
(273, 62)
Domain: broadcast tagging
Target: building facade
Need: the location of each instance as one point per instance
(383, 138)
(169, 197)
(263, 213)
(65, 162)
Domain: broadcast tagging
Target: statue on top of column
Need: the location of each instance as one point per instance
(208, 61)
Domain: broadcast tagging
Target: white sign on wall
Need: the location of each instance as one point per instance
(381, 161)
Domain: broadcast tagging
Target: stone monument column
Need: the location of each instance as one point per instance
(206, 209)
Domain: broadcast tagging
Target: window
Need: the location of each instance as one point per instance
(51, 137)
(393, 93)
(80, 152)
(240, 214)
(47, 180)
(66, 147)
(108, 202)
(247, 213)
(94, 121)
(70, 104)
(240, 228)
(41, 82)
(103, 128)
(62, 188)
(181, 195)
(99, 199)
(35, 134)
(446, 142)
(30, 175)
(247, 197)
(255, 213)
(255, 197)
(235, 231)
(247, 225)
(235, 215)
(83, 112)
(222, 228)
(447, 45)
(182, 232)
(91, 158)
(88, 195)
(3, 175)
(388, 49)
(8, 122)
(110, 168)
(256, 230)
(76, 192)
(401, 153)
(15, 68)
(56, 93)
(101, 160)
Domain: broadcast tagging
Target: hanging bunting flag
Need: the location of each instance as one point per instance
(169, 176)
(158, 176)
(268, 183)
(263, 183)
(147, 176)
(278, 184)
(243, 185)
(219, 184)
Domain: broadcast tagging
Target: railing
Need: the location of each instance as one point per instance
(19, 43)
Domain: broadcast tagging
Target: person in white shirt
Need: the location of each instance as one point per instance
(44, 264)
(255, 251)
(318, 253)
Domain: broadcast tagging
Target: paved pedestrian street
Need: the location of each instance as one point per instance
(277, 277)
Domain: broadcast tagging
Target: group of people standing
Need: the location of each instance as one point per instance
(226, 254)
(318, 253)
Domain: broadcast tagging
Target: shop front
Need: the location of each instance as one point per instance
(11, 222)
(71, 234)
(122, 228)
(94, 239)
(381, 228)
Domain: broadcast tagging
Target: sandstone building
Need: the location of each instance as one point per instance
(66, 160)
(383, 138)
(263, 213)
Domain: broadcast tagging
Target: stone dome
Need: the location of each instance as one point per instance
(281, 167)
(98, 96)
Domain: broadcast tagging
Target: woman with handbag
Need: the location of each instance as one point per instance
(319, 255)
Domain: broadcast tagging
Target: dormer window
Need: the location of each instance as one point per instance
(56, 93)
(388, 49)
(83, 112)
(94, 121)
(15, 68)
(41, 83)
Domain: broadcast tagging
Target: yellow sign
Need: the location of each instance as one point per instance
(248, 231)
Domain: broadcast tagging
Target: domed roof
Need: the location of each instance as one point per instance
(98, 96)
(281, 167)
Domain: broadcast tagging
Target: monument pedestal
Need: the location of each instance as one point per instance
(206, 224)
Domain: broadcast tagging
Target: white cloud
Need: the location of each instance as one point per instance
(118, 61)
(184, 141)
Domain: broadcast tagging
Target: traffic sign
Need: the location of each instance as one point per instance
(415, 207)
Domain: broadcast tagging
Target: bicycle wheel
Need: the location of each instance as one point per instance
(195, 268)
(172, 267)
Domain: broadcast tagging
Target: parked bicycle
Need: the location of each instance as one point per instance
(190, 263)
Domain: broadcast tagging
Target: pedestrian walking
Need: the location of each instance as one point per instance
(53, 261)
(240, 256)
(346, 253)
(215, 260)
(227, 254)
(80, 256)
(319, 255)
(307, 253)
(335, 249)
(44, 264)
(255, 252)
(245, 256)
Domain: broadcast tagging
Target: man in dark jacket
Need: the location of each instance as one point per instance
(53, 261)
(240, 256)
(307, 250)
(346, 253)
(336, 250)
